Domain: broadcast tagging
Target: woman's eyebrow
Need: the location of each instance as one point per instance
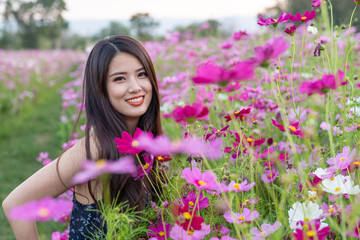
(119, 73)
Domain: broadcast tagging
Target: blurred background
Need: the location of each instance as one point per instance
(65, 24)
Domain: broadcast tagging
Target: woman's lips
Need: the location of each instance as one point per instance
(136, 101)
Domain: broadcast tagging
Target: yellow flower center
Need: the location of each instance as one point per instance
(101, 163)
(271, 175)
(241, 218)
(160, 158)
(161, 234)
(331, 210)
(201, 182)
(337, 189)
(249, 139)
(310, 233)
(43, 212)
(357, 163)
(262, 234)
(146, 166)
(305, 227)
(332, 179)
(218, 131)
(275, 20)
(246, 201)
(237, 186)
(314, 189)
(190, 232)
(342, 159)
(191, 203)
(237, 112)
(187, 215)
(306, 220)
(135, 143)
(274, 143)
(303, 18)
(292, 128)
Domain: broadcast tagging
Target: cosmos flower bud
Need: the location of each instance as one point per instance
(165, 204)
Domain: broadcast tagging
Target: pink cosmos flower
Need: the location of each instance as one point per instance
(206, 180)
(270, 175)
(245, 216)
(91, 169)
(316, 3)
(342, 160)
(355, 232)
(271, 50)
(307, 16)
(240, 187)
(215, 133)
(190, 113)
(239, 35)
(210, 73)
(266, 230)
(205, 97)
(159, 232)
(293, 127)
(323, 85)
(160, 145)
(249, 141)
(240, 115)
(42, 210)
(185, 218)
(270, 21)
(311, 230)
(145, 168)
(128, 144)
(44, 158)
(178, 233)
(330, 210)
(190, 200)
(291, 30)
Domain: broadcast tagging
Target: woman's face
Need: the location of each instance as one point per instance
(128, 86)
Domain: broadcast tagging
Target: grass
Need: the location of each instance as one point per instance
(22, 137)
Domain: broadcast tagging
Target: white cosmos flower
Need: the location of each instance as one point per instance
(312, 29)
(306, 212)
(321, 173)
(340, 185)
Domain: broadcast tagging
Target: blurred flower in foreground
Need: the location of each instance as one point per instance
(324, 84)
(60, 236)
(271, 50)
(42, 210)
(92, 169)
(316, 3)
(190, 113)
(266, 230)
(311, 230)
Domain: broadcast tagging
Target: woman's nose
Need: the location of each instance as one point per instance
(134, 86)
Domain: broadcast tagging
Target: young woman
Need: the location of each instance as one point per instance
(121, 94)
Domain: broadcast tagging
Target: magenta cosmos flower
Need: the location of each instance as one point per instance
(190, 200)
(271, 50)
(270, 21)
(291, 30)
(160, 233)
(210, 73)
(266, 230)
(293, 127)
(42, 210)
(206, 180)
(307, 16)
(311, 230)
(92, 169)
(190, 113)
(144, 169)
(323, 85)
(128, 144)
(270, 175)
(245, 216)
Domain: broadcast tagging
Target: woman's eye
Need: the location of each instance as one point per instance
(119, 79)
(143, 74)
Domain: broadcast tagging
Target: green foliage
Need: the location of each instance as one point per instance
(114, 28)
(143, 25)
(208, 28)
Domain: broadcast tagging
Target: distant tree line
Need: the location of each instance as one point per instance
(342, 10)
(39, 24)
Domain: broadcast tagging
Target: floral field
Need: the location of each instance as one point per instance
(260, 139)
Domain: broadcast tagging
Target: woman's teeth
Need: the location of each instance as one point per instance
(135, 99)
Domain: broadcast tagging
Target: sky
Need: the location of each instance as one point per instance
(194, 9)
